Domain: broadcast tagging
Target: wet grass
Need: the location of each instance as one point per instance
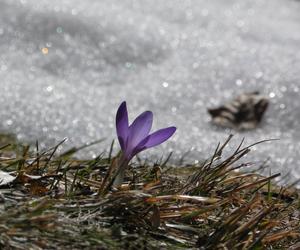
(53, 201)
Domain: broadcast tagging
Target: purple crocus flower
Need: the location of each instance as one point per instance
(136, 138)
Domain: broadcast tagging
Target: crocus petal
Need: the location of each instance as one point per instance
(139, 129)
(122, 124)
(140, 147)
(154, 139)
(159, 137)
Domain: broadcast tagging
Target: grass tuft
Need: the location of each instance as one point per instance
(59, 202)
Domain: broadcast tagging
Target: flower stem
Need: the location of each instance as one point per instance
(122, 166)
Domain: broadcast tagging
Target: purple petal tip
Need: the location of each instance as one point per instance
(122, 124)
(159, 136)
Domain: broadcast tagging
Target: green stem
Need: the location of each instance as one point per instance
(122, 166)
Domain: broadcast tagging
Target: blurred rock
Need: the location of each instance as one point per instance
(244, 112)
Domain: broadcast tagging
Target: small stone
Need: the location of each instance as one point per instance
(244, 112)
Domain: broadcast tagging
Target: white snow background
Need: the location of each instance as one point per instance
(66, 65)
